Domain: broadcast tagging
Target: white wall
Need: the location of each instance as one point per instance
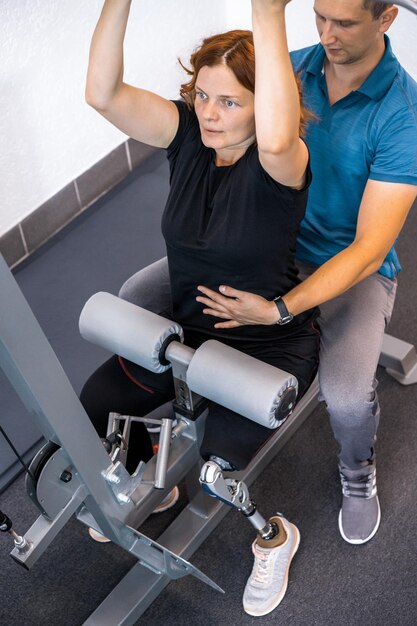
(49, 136)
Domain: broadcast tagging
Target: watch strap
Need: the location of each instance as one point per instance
(284, 315)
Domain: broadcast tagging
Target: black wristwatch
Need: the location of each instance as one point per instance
(284, 315)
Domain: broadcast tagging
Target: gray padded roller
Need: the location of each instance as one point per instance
(241, 383)
(127, 330)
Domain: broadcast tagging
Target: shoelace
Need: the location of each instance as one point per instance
(264, 566)
(363, 487)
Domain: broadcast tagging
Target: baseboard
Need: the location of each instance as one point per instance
(22, 240)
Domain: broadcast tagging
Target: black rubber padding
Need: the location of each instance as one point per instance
(287, 403)
(168, 340)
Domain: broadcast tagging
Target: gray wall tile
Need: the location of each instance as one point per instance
(139, 152)
(103, 175)
(12, 247)
(50, 217)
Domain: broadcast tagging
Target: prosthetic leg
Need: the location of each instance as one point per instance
(234, 493)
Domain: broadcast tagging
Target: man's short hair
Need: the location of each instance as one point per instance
(376, 7)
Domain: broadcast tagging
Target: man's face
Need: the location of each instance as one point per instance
(348, 32)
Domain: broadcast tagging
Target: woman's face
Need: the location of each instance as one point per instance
(225, 111)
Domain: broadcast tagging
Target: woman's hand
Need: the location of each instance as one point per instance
(239, 308)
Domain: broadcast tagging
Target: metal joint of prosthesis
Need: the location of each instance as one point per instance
(234, 493)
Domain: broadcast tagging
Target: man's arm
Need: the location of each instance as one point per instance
(383, 211)
(382, 214)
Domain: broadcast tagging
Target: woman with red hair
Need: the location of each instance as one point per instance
(239, 178)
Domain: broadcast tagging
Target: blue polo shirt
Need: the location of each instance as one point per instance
(369, 134)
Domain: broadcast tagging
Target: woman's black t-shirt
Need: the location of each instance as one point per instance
(232, 225)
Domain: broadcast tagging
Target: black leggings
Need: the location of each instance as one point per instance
(126, 388)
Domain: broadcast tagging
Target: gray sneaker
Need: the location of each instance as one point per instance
(268, 581)
(360, 514)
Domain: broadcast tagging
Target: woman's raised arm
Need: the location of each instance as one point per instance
(277, 103)
(141, 114)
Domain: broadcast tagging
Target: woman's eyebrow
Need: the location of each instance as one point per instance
(197, 88)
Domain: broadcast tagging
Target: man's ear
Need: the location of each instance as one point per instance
(387, 18)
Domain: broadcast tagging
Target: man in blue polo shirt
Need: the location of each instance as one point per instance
(364, 158)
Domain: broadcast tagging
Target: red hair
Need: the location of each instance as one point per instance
(236, 50)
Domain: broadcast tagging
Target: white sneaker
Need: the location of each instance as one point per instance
(268, 581)
(98, 536)
(170, 499)
(156, 428)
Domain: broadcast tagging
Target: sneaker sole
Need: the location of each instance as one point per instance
(155, 428)
(279, 598)
(99, 537)
(358, 542)
(164, 506)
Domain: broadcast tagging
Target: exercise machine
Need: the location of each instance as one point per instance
(411, 5)
(73, 473)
